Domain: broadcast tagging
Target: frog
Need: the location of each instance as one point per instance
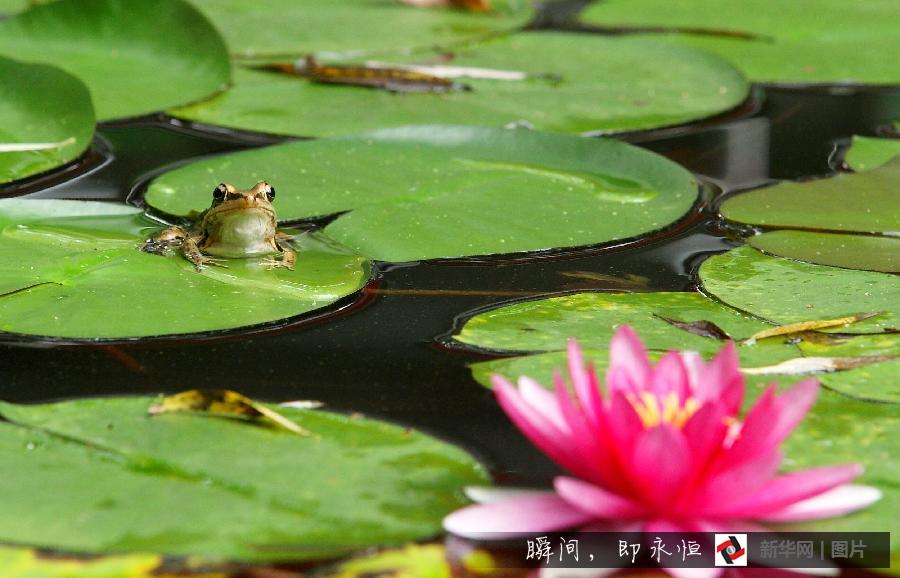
(238, 224)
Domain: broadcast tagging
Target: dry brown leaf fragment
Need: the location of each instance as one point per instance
(379, 77)
(702, 327)
(812, 325)
(222, 402)
(470, 5)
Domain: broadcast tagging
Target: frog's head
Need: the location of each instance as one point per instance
(240, 222)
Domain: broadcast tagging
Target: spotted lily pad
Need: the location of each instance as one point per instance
(136, 57)
(101, 475)
(442, 191)
(576, 83)
(809, 42)
(412, 561)
(72, 269)
(547, 324)
(866, 252)
(866, 202)
(44, 105)
(293, 28)
(868, 153)
(786, 291)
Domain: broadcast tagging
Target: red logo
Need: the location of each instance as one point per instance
(729, 551)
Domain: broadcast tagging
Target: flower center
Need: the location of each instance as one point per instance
(654, 410)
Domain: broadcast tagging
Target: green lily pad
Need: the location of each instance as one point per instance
(99, 475)
(294, 28)
(547, 324)
(868, 153)
(136, 57)
(876, 382)
(441, 191)
(786, 291)
(26, 563)
(862, 202)
(43, 105)
(864, 252)
(821, 41)
(71, 269)
(600, 84)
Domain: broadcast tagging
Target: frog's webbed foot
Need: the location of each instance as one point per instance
(287, 260)
(161, 242)
(190, 248)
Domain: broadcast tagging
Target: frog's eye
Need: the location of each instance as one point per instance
(220, 192)
(270, 193)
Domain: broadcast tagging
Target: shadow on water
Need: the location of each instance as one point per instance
(383, 358)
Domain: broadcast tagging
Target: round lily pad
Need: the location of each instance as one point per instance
(822, 41)
(868, 153)
(136, 57)
(786, 291)
(863, 202)
(294, 28)
(100, 475)
(41, 105)
(866, 252)
(576, 83)
(441, 191)
(72, 269)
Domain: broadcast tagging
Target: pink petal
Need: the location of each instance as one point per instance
(543, 513)
(584, 381)
(670, 376)
(705, 433)
(629, 368)
(623, 425)
(722, 380)
(595, 500)
(543, 402)
(542, 433)
(661, 462)
(741, 480)
(595, 456)
(771, 420)
(779, 493)
(836, 502)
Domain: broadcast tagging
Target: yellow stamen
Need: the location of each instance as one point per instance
(671, 411)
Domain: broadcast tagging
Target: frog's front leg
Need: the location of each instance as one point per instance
(161, 242)
(190, 248)
(288, 255)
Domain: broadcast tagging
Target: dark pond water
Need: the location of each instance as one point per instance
(384, 355)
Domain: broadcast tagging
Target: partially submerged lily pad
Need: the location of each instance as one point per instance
(136, 57)
(864, 203)
(99, 475)
(786, 291)
(576, 83)
(866, 252)
(867, 153)
(41, 104)
(71, 269)
(825, 41)
(876, 382)
(450, 191)
(294, 28)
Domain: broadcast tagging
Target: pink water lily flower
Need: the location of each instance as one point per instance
(654, 453)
